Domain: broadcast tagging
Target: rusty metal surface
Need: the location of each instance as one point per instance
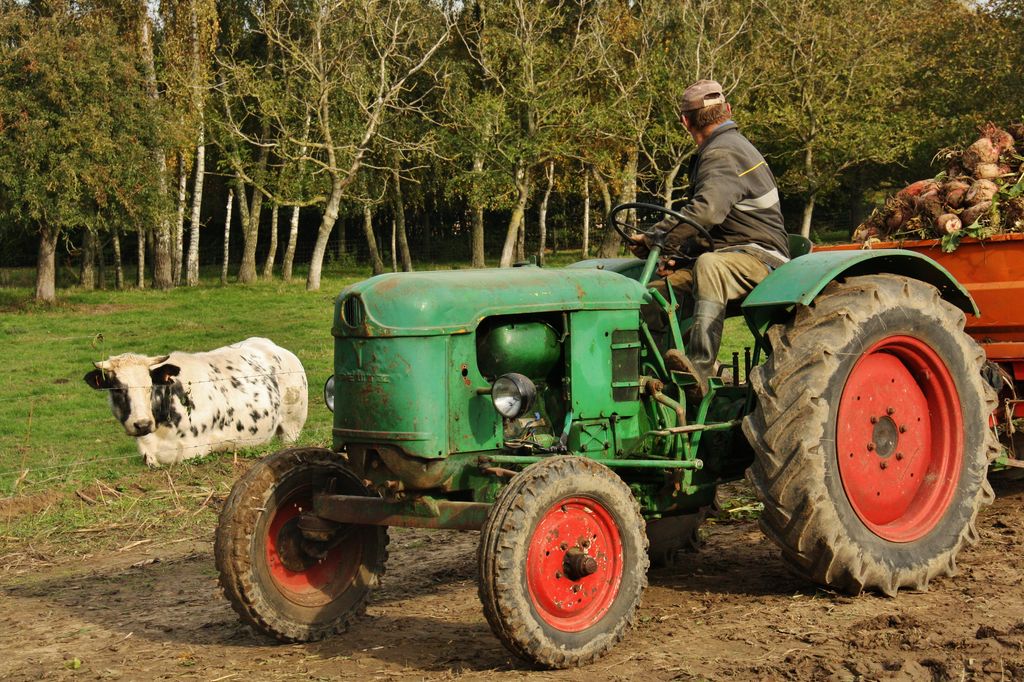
(421, 512)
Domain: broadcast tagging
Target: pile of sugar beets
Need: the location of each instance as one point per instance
(980, 193)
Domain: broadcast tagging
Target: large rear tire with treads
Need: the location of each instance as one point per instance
(872, 436)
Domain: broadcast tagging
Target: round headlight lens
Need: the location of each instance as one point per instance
(329, 393)
(512, 395)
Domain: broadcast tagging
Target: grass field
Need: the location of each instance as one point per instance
(59, 431)
(59, 442)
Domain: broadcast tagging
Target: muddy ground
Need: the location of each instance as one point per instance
(729, 612)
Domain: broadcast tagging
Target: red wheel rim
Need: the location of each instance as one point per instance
(323, 579)
(899, 438)
(573, 532)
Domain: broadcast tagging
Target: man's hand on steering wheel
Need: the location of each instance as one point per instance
(638, 238)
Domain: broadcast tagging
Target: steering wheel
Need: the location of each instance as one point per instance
(628, 230)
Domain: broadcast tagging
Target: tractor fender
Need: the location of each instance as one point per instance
(800, 280)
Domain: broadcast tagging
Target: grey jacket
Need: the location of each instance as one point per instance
(734, 195)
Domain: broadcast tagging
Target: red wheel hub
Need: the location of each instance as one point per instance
(574, 564)
(306, 579)
(899, 438)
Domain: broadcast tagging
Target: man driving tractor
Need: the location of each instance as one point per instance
(733, 195)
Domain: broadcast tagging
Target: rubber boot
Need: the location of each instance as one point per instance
(705, 339)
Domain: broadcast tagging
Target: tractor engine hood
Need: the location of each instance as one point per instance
(455, 301)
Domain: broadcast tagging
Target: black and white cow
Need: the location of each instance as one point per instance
(186, 405)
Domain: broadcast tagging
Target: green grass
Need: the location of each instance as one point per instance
(54, 430)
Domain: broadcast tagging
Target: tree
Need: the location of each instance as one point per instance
(473, 119)
(162, 269)
(77, 127)
(531, 63)
(355, 63)
(709, 40)
(189, 40)
(839, 73)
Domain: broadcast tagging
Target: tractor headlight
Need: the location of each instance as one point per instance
(513, 395)
(329, 393)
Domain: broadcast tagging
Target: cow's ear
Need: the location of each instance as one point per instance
(97, 379)
(164, 374)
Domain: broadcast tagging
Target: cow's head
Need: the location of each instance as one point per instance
(132, 383)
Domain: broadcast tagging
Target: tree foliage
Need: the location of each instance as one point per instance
(77, 129)
(458, 120)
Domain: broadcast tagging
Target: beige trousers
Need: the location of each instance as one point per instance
(718, 276)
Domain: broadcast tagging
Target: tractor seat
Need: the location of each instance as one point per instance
(799, 245)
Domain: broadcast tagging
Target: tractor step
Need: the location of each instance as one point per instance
(419, 512)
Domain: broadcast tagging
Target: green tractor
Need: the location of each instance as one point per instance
(534, 405)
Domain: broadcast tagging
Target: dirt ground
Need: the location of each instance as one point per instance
(729, 612)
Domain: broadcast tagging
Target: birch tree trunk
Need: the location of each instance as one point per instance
(399, 208)
(293, 232)
(394, 251)
(227, 237)
(46, 265)
(268, 265)
(289, 252)
(323, 235)
(251, 230)
(522, 182)
(371, 241)
(669, 187)
(243, 205)
(611, 242)
(162, 230)
(479, 255)
(586, 213)
(805, 224)
(542, 219)
(118, 263)
(141, 278)
(479, 258)
(192, 276)
(179, 225)
(609, 246)
(521, 239)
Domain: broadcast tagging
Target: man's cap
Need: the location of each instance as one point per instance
(703, 93)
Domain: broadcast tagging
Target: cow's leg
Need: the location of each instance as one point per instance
(289, 431)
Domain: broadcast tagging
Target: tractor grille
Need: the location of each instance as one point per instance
(625, 365)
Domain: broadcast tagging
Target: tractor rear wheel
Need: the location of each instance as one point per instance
(277, 580)
(563, 562)
(871, 433)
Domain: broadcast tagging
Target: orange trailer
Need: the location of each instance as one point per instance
(992, 270)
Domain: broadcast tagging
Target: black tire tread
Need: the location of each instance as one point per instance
(235, 527)
(785, 432)
(497, 563)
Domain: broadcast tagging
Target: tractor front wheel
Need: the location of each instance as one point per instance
(563, 562)
(279, 581)
(872, 437)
